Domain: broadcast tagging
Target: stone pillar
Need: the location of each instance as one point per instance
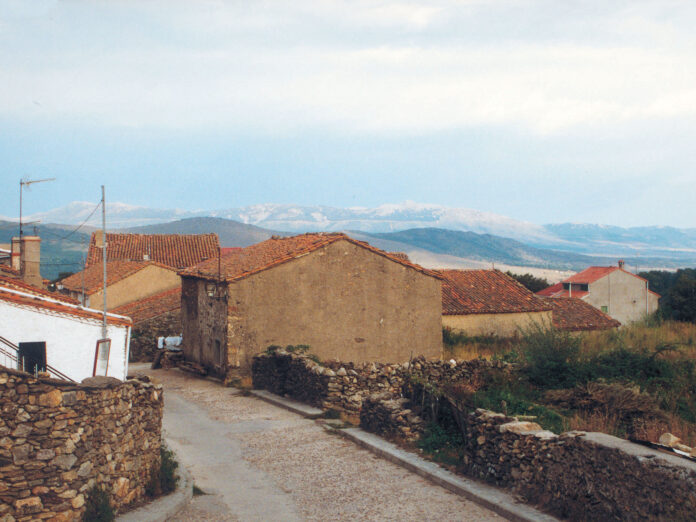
(30, 260)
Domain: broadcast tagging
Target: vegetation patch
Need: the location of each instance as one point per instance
(98, 506)
(163, 480)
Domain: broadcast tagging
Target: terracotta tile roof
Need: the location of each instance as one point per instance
(115, 271)
(576, 315)
(175, 250)
(400, 255)
(587, 276)
(151, 307)
(550, 291)
(277, 250)
(18, 284)
(7, 270)
(486, 292)
(18, 298)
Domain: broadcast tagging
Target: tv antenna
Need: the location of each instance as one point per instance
(25, 182)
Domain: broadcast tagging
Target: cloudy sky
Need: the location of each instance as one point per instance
(545, 111)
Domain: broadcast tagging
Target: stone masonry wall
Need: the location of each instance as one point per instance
(59, 439)
(575, 475)
(343, 386)
(143, 345)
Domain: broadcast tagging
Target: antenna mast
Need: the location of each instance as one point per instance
(103, 203)
(26, 183)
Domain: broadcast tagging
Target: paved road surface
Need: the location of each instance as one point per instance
(258, 462)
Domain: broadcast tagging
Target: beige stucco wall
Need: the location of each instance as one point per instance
(146, 282)
(343, 300)
(624, 296)
(502, 325)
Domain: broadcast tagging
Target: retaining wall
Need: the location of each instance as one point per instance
(59, 439)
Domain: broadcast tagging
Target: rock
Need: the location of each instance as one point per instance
(667, 439)
(28, 506)
(51, 399)
(341, 372)
(45, 454)
(327, 371)
(480, 440)
(64, 462)
(121, 487)
(85, 469)
(79, 500)
(22, 430)
(20, 454)
(519, 427)
(683, 447)
(100, 381)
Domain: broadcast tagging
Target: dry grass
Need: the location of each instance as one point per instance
(642, 336)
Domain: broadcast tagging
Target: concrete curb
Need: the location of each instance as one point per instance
(289, 404)
(490, 497)
(164, 508)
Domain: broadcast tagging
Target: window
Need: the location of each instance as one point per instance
(101, 357)
(605, 309)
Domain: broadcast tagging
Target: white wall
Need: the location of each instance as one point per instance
(70, 342)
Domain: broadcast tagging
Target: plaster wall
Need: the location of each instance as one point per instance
(70, 342)
(149, 281)
(624, 295)
(502, 325)
(344, 301)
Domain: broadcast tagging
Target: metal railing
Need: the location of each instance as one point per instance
(14, 357)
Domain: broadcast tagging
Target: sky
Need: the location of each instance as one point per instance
(540, 110)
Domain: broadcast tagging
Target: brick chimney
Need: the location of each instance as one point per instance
(30, 260)
(15, 253)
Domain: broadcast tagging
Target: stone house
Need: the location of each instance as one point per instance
(489, 302)
(126, 281)
(342, 297)
(621, 294)
(41, 332)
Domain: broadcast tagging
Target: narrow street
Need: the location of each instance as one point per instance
(257, 462)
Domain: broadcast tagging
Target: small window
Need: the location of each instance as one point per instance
(605, 309)
(584, 287)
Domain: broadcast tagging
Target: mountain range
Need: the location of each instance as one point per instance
(413, 227)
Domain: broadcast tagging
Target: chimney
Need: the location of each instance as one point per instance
(30, 260)
(621, 263)
(15, 253)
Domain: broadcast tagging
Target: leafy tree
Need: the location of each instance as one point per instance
(529, 281)
(682, 299)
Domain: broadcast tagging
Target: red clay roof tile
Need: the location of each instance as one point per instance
(151, 307)
(277, 250)
(486, 292)
(26, 299)
(175, 250)
(18, 284)
(576, 315)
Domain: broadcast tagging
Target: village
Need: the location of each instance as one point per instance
(329, 328)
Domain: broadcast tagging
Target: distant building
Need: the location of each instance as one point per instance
(622, 295)
(23, 260)
(344, 298)
(127, 281)
(174, 250)
(42, 333)
(489, 302)
(575, 315)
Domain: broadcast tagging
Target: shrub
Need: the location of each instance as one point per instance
(163, 479)
(443, 443)
(551, 356)
(98, 506)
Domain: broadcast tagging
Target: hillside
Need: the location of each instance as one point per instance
(231, 233)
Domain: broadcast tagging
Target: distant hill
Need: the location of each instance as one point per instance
(231, 233)
(490, 248)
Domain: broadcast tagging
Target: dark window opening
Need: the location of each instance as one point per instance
(31, 357)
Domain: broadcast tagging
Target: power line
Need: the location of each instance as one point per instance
(81, 224)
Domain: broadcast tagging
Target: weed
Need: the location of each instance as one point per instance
(163, 479)
(443, 444)
(98, 506)
(332, 413)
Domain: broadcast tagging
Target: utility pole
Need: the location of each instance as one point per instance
(103, 203)
(26, 183)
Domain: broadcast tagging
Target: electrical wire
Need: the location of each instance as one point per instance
(80, 225)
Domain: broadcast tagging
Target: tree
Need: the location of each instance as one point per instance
(529, 281)
(682, 299)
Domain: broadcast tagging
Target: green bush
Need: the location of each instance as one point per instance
(98, 506)
(443, 443)
(551, 356)
(163, 479)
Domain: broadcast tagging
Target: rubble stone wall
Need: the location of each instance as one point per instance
(59, 439)
(143, 345)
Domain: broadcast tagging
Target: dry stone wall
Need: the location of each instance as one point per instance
(143, 345)
(575, 475)
(59, 439)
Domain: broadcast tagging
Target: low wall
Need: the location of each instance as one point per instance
(143, 344)
(343, 385)
(58, 440)
(575, 475)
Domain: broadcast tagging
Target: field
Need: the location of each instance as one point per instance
(637, 382)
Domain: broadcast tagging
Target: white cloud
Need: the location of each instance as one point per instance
(386, 68)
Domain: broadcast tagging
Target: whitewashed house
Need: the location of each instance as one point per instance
(39, 332)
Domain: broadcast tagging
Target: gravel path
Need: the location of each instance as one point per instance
(260, 462)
